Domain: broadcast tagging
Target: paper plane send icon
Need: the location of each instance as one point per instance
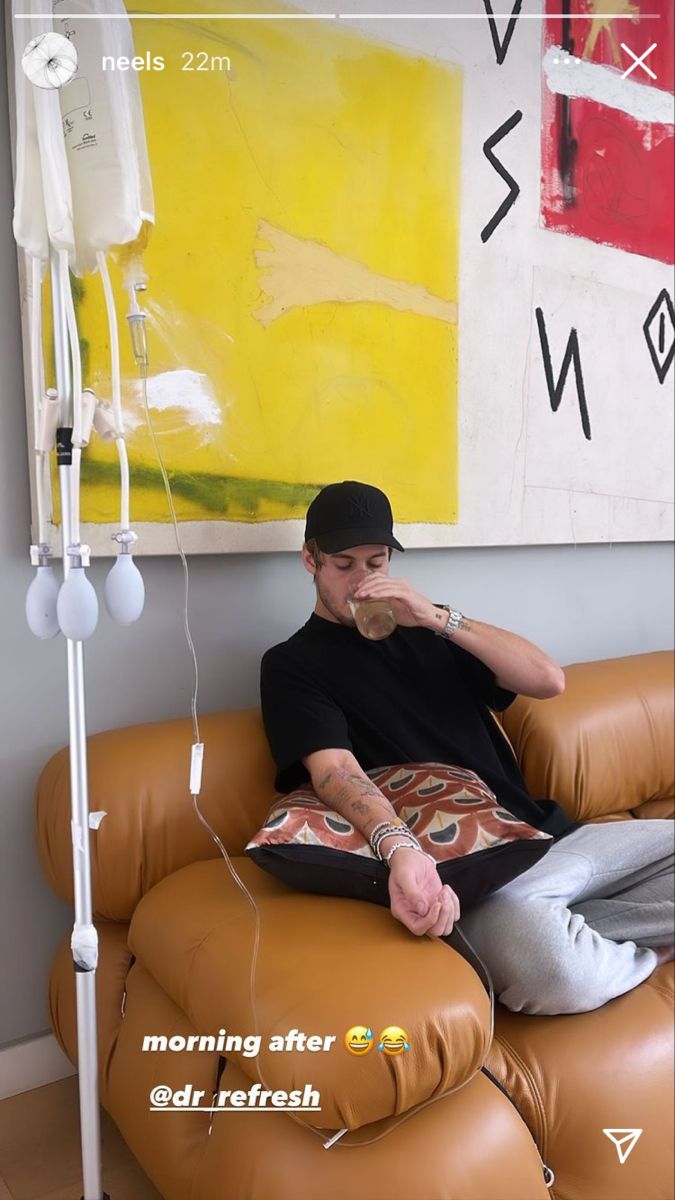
(624, 1140)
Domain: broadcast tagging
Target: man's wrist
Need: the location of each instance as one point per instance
(404, 837)
(438, 618)
(387, 841)
(392, 841)
(451, 621)
(397, 850)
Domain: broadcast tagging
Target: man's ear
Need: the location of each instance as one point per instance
(308, 561)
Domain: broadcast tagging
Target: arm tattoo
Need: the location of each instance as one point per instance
(365, 785)
(360, 807)
(342, 797)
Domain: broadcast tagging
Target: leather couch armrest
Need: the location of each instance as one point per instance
(324, 965)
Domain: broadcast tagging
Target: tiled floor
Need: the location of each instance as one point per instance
(40, 1149)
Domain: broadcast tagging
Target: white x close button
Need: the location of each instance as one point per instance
(639, 62)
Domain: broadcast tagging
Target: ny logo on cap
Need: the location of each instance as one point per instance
(361, 506)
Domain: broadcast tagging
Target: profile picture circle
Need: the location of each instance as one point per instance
(49, 60)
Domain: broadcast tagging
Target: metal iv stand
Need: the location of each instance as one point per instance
(84, 940)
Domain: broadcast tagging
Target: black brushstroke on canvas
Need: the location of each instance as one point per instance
(568, 147)
(661, 358)
(572, 355)
(501, 47)
(514, 188)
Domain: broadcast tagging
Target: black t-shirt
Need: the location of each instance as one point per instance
(411, 697)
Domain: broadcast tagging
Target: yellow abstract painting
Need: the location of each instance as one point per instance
(302, 275)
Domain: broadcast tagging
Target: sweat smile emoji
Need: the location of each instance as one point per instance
(393, 1040)
(359, 1040)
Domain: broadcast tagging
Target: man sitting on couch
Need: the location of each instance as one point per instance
(594, 916)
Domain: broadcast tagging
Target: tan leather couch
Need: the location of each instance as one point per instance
(176, 936)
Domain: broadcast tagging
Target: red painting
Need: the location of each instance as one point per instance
(607, 123)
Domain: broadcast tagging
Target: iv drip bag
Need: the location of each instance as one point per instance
(85, 140)
(30, 218)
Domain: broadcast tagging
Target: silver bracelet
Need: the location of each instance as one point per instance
(397, 846)
(383, 825)
(386, 829)
(401, 845)
(401, 831)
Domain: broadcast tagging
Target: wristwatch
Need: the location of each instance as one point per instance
(454, 620)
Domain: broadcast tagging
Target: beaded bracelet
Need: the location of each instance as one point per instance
(400, 845)
(388, 832)
(386, 824)
(392, 831)
(408, 835)
(384, 829)
(380, 824)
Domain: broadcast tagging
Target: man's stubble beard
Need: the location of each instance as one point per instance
(330, 606)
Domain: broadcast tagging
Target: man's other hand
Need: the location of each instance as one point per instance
(418, 898)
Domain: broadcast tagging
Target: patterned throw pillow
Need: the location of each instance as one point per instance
(478, 845)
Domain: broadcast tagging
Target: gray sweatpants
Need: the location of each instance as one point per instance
(575, 929)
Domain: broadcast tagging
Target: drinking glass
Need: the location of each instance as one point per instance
(375, 618)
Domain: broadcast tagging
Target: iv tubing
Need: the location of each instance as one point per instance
(195, 718)
(139, 340)
(38, 391)
(242, 886)
(69, 308)
(116, 389)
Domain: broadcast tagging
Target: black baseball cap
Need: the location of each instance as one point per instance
(350, 514)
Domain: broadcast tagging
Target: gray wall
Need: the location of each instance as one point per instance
(577, 603)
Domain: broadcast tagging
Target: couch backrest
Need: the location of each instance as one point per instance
(604, 746)
(140, 776)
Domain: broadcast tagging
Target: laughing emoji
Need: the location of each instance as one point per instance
(359, 1040)
(393, 1040)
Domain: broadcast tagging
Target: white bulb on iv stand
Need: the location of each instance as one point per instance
(77, 606)
(41, 603)
(124, 588)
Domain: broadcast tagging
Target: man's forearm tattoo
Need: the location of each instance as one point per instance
(343, 798)
(441, 619)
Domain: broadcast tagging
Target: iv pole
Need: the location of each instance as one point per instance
(84, 941)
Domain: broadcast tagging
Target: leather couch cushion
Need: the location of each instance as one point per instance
(324, 965)
(606, 745)
(612, 1068)
(139, 776)
(437, 1152)
(662, 808)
